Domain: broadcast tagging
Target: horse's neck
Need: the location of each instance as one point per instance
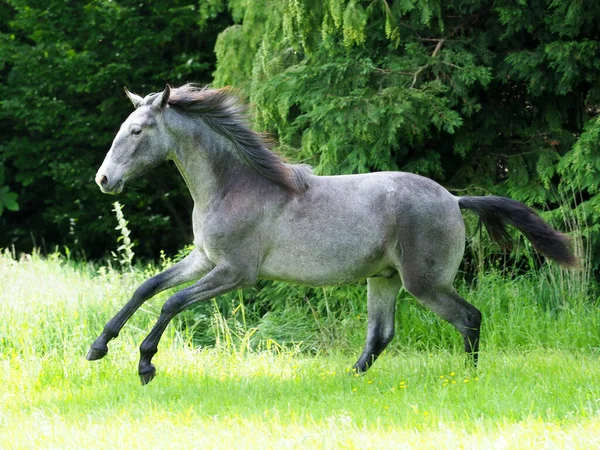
(208, 174)
(191, 169)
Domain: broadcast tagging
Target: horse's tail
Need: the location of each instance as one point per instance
(496, 212)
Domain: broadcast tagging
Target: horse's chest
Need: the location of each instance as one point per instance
(209, 239)
(197, 227)
(219, 237)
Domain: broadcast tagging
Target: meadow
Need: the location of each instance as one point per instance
(537, 386)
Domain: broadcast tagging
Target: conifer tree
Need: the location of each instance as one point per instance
(486, 97)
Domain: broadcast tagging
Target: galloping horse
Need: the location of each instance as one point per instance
(256, 217)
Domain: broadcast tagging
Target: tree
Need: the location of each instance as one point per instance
(62, 72)
(486, 97)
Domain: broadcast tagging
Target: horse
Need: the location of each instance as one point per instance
(258, 217)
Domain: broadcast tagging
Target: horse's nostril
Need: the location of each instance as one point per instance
(102, 181)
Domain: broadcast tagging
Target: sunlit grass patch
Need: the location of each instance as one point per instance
(267, 395)
(265, 400)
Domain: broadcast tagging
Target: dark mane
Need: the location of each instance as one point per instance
(224, 114)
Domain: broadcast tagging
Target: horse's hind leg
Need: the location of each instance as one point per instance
(428, 264)
(445, 302)
(381, 309)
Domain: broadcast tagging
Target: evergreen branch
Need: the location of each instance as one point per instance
(390, 71)
(436, 50)
(452, 65)
(419, 70)
(505, 155)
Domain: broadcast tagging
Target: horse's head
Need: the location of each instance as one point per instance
(140, 144)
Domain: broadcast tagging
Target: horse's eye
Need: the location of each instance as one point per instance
(136, 131)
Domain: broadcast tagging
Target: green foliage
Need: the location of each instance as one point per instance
(63, 67)
(580, 177)
(8, 199)
(496, 98)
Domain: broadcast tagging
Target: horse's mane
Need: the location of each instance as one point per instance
(224, 114)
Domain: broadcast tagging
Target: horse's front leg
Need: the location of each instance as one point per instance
(190, 268)
(222, 279)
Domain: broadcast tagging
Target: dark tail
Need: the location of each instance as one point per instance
(496, 212)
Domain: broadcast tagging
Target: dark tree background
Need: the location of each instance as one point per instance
(484, 96)
(63, 68)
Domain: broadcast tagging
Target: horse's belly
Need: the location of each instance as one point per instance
(323, 266)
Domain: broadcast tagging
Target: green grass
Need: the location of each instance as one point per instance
(538, 385)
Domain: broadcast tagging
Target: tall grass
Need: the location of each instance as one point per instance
(547, 307)
(53, 305)
(538, 383)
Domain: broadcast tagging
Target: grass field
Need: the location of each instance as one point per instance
(538, 384)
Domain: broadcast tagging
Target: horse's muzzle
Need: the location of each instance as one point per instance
(108, 186)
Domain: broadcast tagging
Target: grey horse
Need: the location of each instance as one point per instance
(256, 217)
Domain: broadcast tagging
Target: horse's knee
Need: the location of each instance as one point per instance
(149, 287)
(176, 303)
(173, 305)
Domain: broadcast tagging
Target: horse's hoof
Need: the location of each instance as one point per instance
(147, 374)
(96, 353)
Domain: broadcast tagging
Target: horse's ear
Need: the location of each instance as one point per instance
(135, 99)
(164, 98)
